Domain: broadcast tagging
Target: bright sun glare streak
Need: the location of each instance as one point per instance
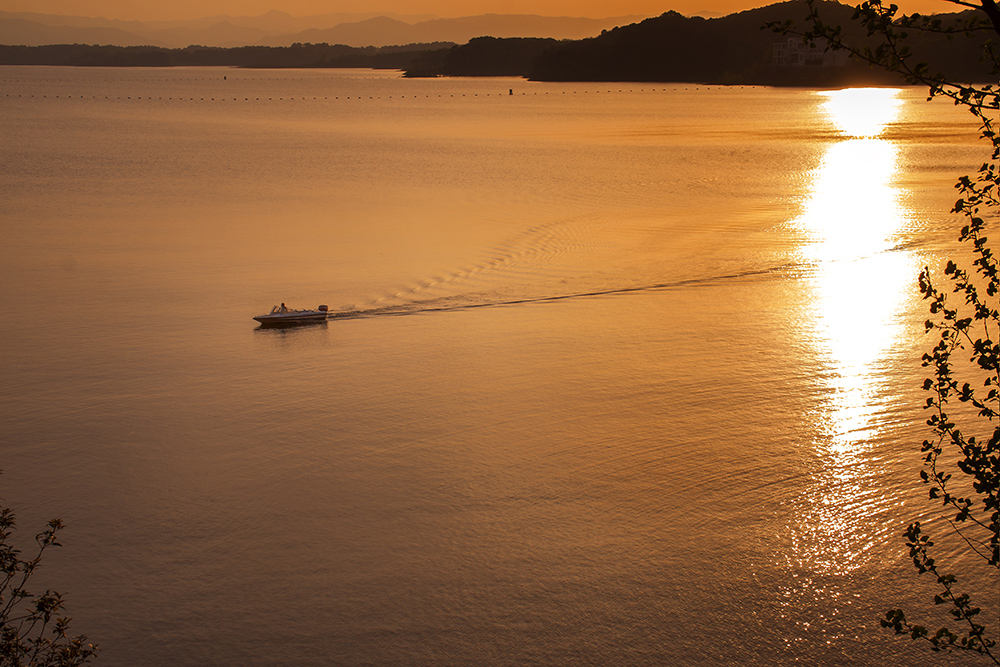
(862, 112)
(852, 221)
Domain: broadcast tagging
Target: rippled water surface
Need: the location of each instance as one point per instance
(620, 374)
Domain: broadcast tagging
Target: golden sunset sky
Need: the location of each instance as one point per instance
(187, 9)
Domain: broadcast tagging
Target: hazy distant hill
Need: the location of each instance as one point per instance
(383, 31)
(33, 33)
(273, 22)
(223, 33)
(378, 31)
(276, 22)
(280, 29)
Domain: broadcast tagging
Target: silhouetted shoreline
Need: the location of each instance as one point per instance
(296, 56)
(670, 48)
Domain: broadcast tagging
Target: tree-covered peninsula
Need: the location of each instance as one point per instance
(297, 55)
(732, 49)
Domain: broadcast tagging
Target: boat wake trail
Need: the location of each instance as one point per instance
(469, 302)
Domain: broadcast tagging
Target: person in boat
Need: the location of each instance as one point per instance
(283, 309)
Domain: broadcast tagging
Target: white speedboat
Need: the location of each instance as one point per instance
(280, 316)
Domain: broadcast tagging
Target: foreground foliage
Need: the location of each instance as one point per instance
(972, 327)
(32, 633)
(962, 458)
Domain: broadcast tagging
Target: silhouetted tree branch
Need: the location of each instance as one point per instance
(32, 633)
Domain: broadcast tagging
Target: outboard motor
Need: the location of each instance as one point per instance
(323, 308)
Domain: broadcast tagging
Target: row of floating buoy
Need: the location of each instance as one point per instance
(200, 80)
(336, 97)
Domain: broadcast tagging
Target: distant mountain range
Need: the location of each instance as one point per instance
(279, 29)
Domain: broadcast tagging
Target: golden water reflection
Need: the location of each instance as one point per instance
(862, 112)
(853, 220)
(852, 223)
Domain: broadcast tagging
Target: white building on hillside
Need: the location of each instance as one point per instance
(796, 53)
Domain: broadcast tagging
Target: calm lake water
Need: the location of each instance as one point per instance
(623, 374)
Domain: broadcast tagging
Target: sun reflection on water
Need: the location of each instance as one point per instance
(862, 112)
(852, 223)
(853, 219)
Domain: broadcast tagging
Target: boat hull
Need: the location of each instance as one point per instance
(291, 319)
